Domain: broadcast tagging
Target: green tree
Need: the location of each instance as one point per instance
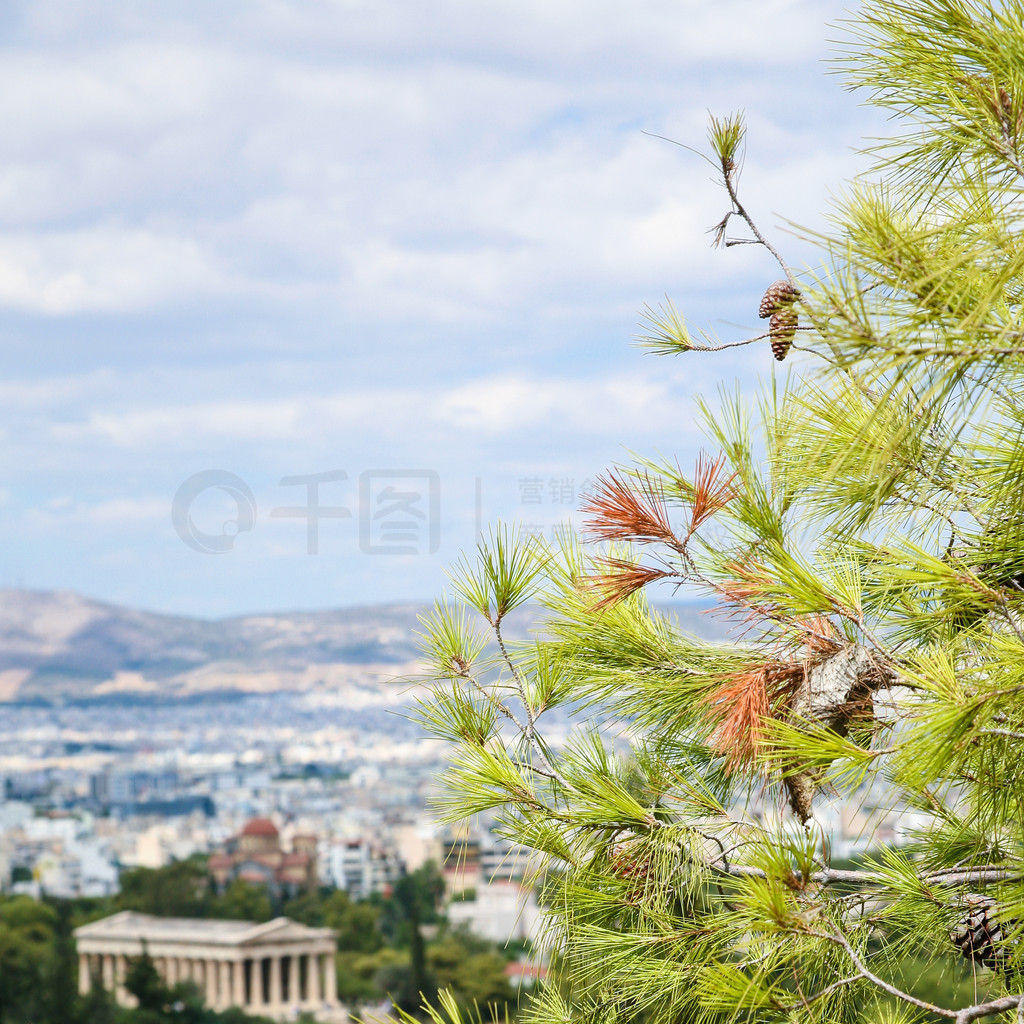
(473, 971)
(143, 981)
(357, 924)
(864, 522)
(181, 889)
(419, 984)
(365, 977)
(58, 990)
(97, 1007)
(27, 931)
(243, 901)
(417, 895)
(307, 907)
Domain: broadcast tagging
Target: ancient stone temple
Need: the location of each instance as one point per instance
(274, 969)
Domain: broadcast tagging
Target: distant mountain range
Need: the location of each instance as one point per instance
(57, 646)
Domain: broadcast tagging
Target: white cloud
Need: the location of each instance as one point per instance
(396, 161)
(508, 406)
(102, 269)
(512, 405)
(282, 236)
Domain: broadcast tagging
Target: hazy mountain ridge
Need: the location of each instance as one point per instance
(58, 645)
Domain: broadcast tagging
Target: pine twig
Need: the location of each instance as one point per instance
(730, 186)
(979, 1010)
(985, 874)
(805, 1002)
(840, 940)
(546, 768)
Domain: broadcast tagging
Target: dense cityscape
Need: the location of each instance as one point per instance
(299, 802)
(92, 789)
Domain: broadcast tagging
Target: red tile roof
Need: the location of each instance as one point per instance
(260, 827)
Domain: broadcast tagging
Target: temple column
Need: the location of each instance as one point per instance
(238, 983)
(313, 979)
(171, 971)
(224, 985)
(120, 969)
(275, 981)
(294, 991)
(107, 966)
(84, 977)
(212, 976)
(330, 980)
(258, 1001)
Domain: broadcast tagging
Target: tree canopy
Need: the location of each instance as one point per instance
(862, 521)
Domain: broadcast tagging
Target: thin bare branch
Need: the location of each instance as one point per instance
(980, 1010)
(840, 940)
(741, 210)
(820, 995)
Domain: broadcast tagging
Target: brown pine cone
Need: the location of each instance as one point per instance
(981, 936)
(779, 296)
(782, 327)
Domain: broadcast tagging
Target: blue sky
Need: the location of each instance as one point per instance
(280, 238)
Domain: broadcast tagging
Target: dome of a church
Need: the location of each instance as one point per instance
(260, 827)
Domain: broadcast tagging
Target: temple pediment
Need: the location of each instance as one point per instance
(134, 928)
(281, 929)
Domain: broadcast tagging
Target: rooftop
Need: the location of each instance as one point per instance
(260, 827)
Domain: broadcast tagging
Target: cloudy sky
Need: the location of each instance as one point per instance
(399, 246)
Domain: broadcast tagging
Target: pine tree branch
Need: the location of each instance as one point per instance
(546, 769)
(517, 679)
(1009, 733)
(529, 767)
(984, 875)
(971, 1013)
(728, 170)
(725, 345)
(488, 694)
(805, 1002)
(749, 341)
(1013, 620)
(929, 507)
(840, 940)
(812, 351)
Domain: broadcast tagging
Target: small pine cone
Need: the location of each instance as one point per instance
(980, 935)
(779, 296)
(635, 868)
(782, 327)
(628, 862)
